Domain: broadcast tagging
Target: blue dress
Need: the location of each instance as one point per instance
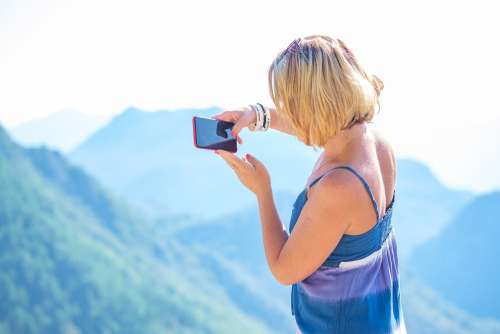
(356, 289)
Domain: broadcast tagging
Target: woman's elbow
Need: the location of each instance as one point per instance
(283, 277)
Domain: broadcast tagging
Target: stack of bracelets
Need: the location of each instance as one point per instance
(262, 118)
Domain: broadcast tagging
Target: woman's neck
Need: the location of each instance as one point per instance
(339, 147)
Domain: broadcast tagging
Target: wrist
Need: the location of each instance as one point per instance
(253, 126)
(264, 194)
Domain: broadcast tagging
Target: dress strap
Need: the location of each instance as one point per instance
(363, 180)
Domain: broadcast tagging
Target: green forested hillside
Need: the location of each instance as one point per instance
(75, 260)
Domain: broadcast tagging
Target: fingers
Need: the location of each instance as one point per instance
(231, 159)
(231, 116)
(241, 118)
(228, 116)
(253, 161)
(237, 127)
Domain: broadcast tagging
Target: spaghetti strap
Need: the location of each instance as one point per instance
(365, 184)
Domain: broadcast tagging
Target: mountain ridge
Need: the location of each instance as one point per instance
(62, 130)
(468, 244)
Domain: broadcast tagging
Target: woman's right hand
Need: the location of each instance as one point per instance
(243, 117)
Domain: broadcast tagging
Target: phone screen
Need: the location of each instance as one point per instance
(213, 134)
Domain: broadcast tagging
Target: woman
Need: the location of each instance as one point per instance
(339, 253)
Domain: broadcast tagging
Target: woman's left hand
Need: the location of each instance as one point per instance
(251, 172)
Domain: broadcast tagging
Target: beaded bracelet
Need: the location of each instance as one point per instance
(262, 118)
(267, 117)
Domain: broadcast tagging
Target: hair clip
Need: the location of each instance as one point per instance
(294, 46)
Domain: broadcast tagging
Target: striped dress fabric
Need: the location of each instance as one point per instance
(356, 289)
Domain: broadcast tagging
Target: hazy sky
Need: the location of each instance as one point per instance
(438, 60)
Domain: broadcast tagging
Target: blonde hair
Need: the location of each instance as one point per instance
(318, 85)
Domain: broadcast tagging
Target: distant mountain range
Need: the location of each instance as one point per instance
(62, 130)
(149, 158)
(461, 262)
(423, 205)
(89, 262)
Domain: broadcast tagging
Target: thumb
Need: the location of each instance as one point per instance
(237, 128)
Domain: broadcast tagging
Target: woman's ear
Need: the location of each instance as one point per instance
(377, 84)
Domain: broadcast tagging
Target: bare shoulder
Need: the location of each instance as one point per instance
(336, 189)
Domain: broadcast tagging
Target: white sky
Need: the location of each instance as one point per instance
(438, 60)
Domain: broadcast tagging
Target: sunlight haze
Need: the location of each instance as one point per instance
(438, 61)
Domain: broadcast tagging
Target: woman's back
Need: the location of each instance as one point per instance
(356, 289)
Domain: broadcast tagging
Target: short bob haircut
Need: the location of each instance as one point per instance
(318, 85)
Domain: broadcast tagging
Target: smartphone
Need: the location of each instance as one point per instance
(213, 134)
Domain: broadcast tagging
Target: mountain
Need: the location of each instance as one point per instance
(426, 312)
(242, 270)
(423, 205)
(62, 130)
(460, 263)
(75, 259)
(149, 158)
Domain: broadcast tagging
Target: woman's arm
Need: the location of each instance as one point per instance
(244, 117)
(274, 233)
(319, 227)
(279, 123)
